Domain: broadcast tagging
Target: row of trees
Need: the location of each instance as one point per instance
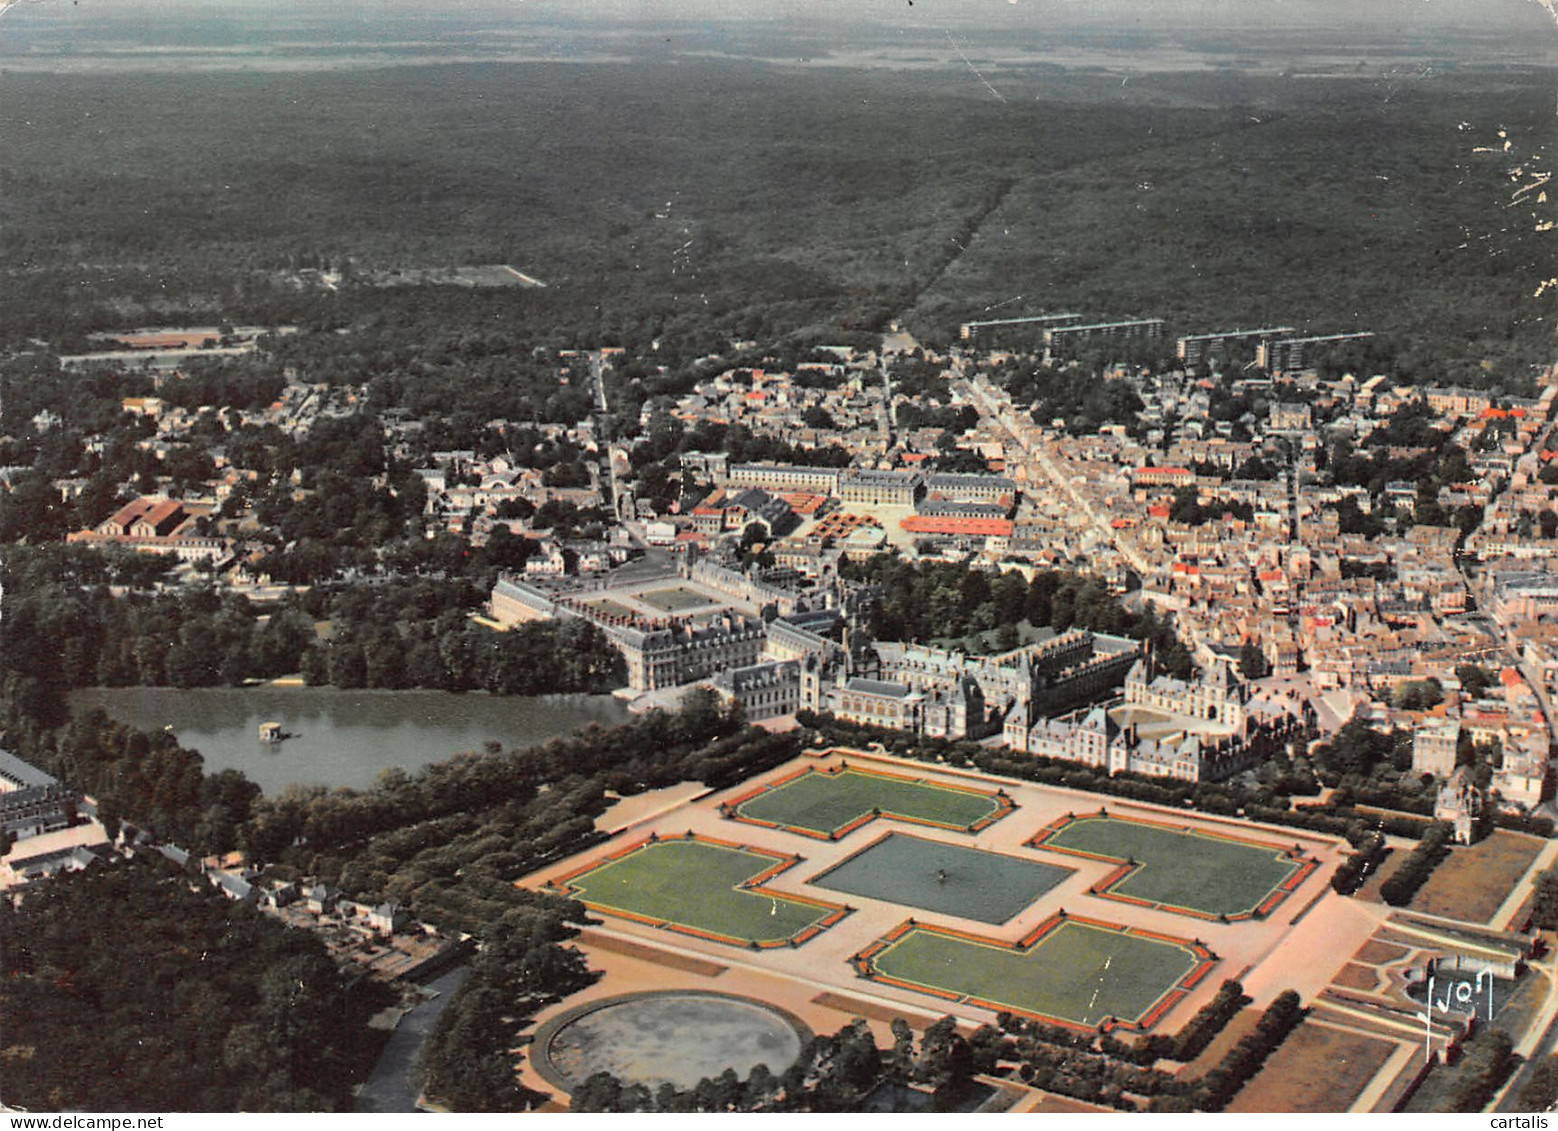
(1544, 904)
(452, 654)
(1100, 1069)
(1368, 851)
(1211, 1019)
(1244, 1060)
(1541, 1090)
(1413, 872)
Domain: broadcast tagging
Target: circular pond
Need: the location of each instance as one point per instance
(676, 1037)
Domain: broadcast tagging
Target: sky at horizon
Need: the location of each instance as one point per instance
(38, 30)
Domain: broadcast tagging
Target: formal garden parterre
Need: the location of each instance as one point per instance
(1044, 950)
(696, 885)
(1180, 868)
(829, 804)
(1083, 973)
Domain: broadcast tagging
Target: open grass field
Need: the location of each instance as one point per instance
(702, 887)
(1182, 870)
(1316, 1069)
(832, 804)
(1476, 878)
(1073, 971)
(945, 878)
(677, 600)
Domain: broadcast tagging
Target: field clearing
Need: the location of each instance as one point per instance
(1474, 881)
(833, 804)
(1317, 1069)
(1179, 869)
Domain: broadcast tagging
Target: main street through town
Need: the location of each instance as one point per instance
(1480, 587)
(1043, 468)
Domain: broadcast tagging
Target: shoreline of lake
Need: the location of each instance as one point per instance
(341, 737)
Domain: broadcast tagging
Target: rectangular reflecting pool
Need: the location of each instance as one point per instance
(946, 878)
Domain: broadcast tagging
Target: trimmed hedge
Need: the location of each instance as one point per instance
(1369, 851)
(1244, 1060)
(1213, 1017)
(1432, 849)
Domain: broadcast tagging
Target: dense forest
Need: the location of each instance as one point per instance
(122, 990)
(73, 622)
(765, 202)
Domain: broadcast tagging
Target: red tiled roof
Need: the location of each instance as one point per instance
(924, 524)
(162, 511)
(128, 513)
(803, 502)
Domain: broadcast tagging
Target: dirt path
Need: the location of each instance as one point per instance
(1385, 1077)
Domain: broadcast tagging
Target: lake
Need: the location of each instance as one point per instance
(342, 737)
